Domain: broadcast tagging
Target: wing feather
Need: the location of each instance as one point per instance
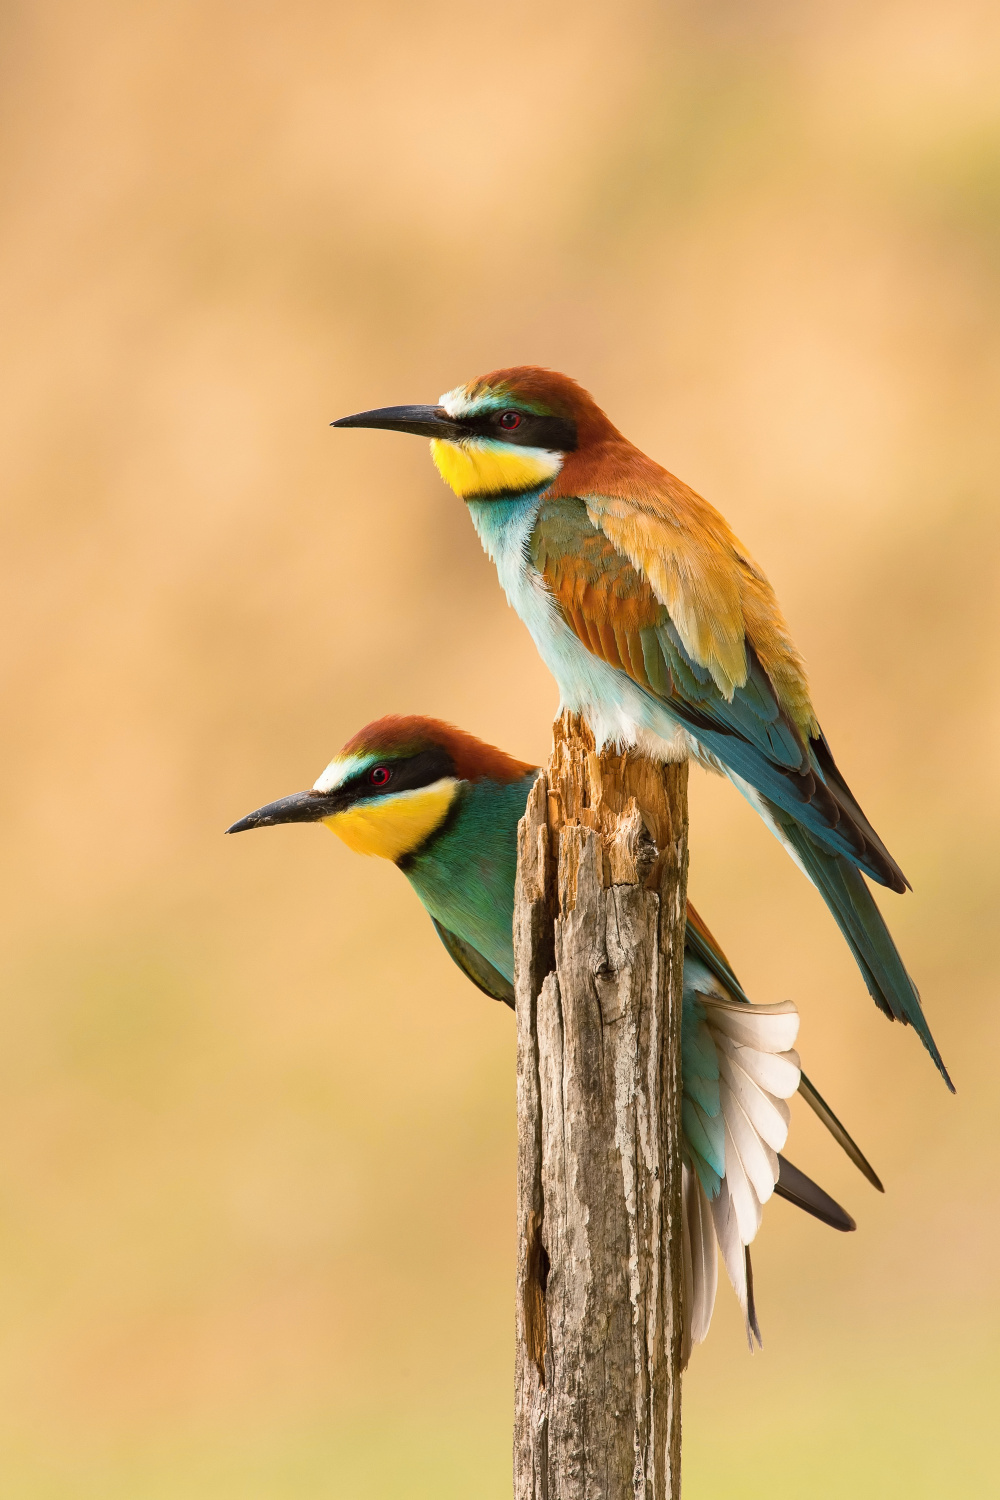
(767, 1028)
(701, 632)
(760, 1165)
(746, 1204)
(776, 1073)
(730, 1242)
(770, 1117)
(475, 967)
(608, 637)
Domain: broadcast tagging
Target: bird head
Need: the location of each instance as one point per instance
(393, 786)
(502, 435)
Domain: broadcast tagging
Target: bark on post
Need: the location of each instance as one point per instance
(599, 939)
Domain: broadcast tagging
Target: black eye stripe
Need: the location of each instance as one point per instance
(417, 770)
(535, 431)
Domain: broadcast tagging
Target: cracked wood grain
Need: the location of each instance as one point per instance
(599, 939)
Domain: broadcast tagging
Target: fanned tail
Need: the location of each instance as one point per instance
(703, 947)
(738, 1071)
(733, 1133)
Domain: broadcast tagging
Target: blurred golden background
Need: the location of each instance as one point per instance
(256, 1133)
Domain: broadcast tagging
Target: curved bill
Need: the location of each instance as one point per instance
(301, 807)
(425, 421)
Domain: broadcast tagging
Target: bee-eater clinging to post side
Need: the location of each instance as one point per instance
(445, 807)
(659, 628)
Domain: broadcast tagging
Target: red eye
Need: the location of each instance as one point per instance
(379, 775)
(509, 420)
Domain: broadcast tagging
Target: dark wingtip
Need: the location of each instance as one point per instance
(936, 1057)
(753, 1327)
(795, 1187)
(812, 1096)
(931, 1046)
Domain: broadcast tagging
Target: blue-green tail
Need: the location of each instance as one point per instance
(853, 908)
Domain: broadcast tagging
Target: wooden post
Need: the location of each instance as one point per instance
(599, 942)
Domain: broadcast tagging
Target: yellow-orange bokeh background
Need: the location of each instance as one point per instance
(257, 1161)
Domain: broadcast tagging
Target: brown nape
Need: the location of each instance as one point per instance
(560, 394)
(474, 760)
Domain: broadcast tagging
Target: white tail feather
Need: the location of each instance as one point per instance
(701, 1262)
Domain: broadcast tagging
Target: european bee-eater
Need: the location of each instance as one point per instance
(658, 626)
(445, 807)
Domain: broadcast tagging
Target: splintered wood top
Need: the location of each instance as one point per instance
(637, 805)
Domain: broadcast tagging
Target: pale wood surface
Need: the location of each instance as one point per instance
(599, 938)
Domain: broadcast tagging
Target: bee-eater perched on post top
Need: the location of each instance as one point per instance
(658, 626)
(444, 807)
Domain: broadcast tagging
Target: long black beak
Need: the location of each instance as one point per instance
(302, 807)
(425, 421)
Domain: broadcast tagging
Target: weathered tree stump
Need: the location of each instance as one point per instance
(599, 939)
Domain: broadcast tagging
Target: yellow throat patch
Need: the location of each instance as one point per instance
(393, 826)
(483, 467)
